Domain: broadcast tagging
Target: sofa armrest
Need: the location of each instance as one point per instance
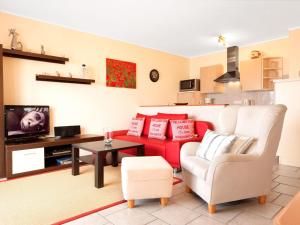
(119, 133)
(189, 149)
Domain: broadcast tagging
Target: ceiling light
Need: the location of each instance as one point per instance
(222, 40)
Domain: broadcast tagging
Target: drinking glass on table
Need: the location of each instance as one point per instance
(107, 131)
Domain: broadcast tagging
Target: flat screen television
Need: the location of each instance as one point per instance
(26, 121)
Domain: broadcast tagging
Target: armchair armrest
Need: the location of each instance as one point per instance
(189, 149)
(230, 162)
(234, 158)
(233, 177)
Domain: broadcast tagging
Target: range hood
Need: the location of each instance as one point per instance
(232, 73)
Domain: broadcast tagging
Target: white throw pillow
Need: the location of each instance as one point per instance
(214, 144)
(241, 144)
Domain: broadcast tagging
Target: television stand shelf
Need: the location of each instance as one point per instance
(41, 155)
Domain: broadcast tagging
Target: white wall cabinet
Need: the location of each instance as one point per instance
(28, 160)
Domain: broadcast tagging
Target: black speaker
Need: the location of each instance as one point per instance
(66, 131)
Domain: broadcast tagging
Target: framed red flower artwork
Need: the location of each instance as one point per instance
(120, 74)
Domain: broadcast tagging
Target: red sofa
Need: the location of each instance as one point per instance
(168, 148)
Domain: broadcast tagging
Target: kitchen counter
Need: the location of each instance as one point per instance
(183, 105)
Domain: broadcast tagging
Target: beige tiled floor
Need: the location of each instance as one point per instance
(190, 209)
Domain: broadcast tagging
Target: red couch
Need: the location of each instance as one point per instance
(168, 148)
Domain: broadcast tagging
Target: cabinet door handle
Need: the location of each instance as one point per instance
(30, 153)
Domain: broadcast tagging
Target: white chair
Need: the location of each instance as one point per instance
(232, 177)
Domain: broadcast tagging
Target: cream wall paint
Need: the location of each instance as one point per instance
(294, 51)
(272, 48)
(92, 106)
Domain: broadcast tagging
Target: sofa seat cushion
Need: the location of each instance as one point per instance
(195, 165)
(152, 146)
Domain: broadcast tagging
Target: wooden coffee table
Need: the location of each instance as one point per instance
(99, 150)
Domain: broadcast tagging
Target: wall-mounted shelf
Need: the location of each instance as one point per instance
(50, 78)
(34, 56)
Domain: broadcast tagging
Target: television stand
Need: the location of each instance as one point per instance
(41, 155)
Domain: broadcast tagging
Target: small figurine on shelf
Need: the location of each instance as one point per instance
(15, 44)
(43, 50)
(70, 75)
(83, 70)
(57, 73)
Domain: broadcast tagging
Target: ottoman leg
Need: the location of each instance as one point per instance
(164, 201)
(262, 199)
(130, 203)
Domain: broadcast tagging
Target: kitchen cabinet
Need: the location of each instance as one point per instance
(251, 74)
(190, 97)
(207, 76)
(258, 74)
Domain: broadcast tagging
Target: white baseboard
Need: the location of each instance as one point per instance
(3, 179)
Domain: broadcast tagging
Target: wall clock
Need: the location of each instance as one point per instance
(154, 75)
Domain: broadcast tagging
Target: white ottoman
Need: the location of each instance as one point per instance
(146, 177)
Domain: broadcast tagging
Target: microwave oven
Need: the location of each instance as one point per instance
(189, 85)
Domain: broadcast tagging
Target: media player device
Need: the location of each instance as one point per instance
(66, 131)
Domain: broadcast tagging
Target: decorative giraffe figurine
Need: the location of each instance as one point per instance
(15, 44)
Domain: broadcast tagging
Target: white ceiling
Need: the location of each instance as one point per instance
(182, 27)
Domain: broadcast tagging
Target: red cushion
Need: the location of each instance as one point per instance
(171, 117)
(201, 127)
(146, 123)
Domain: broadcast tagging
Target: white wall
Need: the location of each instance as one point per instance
(287, 92)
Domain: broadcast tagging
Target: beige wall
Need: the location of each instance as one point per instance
(294, 52)
(274, 48)
(92, 106)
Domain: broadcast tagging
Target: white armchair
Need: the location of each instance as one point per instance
(231, 177)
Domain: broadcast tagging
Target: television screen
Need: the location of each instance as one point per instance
(23, 121)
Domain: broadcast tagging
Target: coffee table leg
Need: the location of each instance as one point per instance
(114, 156)
(140, 150)
(99, 170)
(75, 161)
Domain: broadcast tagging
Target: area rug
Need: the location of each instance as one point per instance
(176, 180)
(51, 197)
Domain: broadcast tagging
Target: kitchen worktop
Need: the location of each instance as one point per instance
(183, 105)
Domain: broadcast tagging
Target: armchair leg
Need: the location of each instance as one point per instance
(164, 201)
(188, 189)
(130, 203)
(212, 208)
(262, 199)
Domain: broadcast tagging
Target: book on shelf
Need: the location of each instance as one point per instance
(64, 160)
(61, 152)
